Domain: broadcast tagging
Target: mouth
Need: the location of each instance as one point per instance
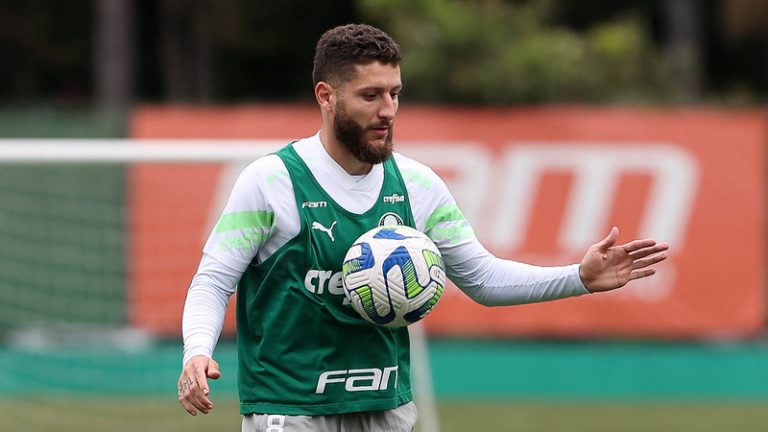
(380, 132)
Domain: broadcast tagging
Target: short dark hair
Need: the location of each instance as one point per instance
(342, 48)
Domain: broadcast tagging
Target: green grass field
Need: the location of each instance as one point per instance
(532, 386)
(132, 415)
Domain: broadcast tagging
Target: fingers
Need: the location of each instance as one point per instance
(644, 252)
(639, 274)
(213, 371)
(656, 249)
(645, 262)
(193, 388)
(637, 245)
(199, 392)
(185, 397)
(201, 381)
(191, 393)
(609, 240)
(648, 256)
(645, 258)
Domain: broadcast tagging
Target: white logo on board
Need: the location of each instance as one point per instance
(597, 170)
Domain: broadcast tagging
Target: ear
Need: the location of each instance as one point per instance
(325, 95)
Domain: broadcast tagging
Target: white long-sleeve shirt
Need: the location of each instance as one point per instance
(264, 190)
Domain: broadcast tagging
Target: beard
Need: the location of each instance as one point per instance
(352, 136)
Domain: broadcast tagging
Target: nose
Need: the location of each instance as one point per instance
(388, 107)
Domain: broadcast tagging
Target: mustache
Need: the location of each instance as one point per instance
(382, 125)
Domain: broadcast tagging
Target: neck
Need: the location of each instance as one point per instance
(341, 155)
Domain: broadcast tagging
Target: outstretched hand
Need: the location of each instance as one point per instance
(606, 266)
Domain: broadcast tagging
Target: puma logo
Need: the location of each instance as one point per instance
(329, 231)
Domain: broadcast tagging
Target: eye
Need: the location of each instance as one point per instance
(369, 96)
(395, 95)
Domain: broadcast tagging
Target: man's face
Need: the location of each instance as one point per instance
(365, 112)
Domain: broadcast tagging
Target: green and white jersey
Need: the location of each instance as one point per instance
(302, 349)
(282, 237)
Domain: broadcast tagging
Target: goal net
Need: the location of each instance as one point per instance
(98, 242)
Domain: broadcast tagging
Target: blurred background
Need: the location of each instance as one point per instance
(550, 120)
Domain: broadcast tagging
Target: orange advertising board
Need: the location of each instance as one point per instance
(539, 186)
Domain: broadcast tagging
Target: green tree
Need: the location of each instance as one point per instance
(498, 52)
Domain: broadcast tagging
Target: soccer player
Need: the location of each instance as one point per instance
(307, 361)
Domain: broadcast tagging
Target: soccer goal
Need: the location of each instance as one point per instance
(98, 242)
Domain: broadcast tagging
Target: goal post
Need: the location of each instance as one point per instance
(98, 241)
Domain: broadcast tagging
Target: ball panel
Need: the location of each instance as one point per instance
(362, 258)
(389, 233)
(363, 297)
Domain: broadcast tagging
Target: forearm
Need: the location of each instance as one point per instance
(206, 306)
(511, 283)
(497, 282)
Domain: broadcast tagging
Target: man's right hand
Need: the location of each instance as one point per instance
(193, 384)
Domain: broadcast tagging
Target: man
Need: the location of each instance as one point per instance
(290, 219)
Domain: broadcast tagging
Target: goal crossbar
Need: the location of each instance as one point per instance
(83, 151)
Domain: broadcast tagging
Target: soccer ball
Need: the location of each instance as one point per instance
(393, 275)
